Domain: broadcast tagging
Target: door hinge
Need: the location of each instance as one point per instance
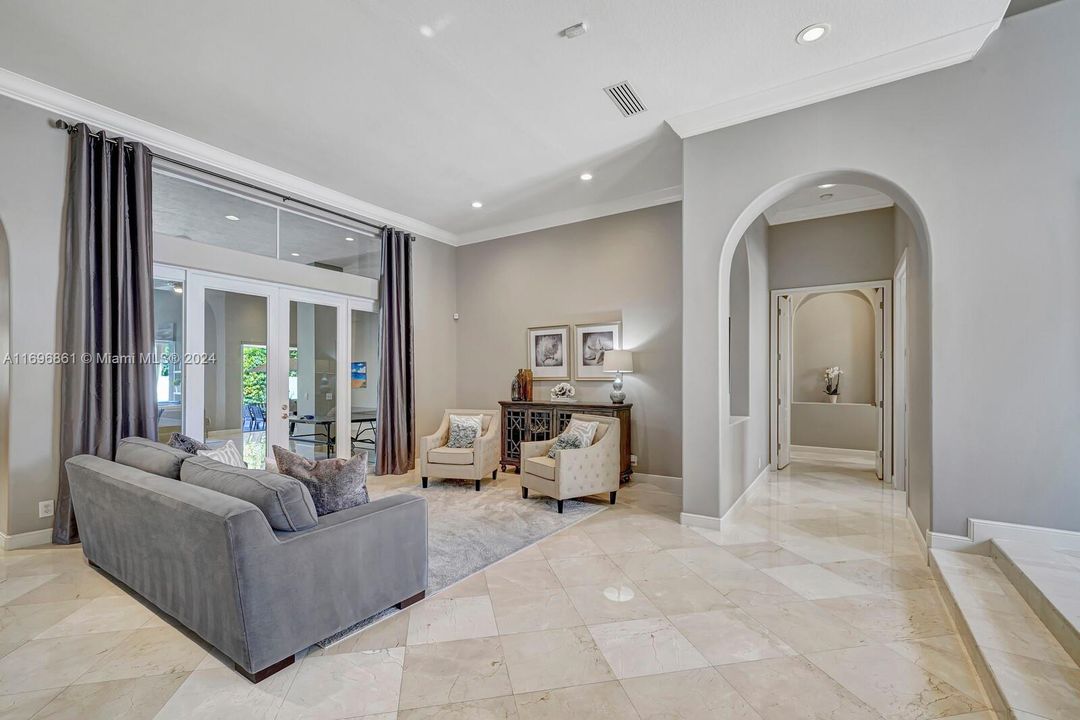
(881, 454)
(881, 403)
(881, 354)
(881, 304)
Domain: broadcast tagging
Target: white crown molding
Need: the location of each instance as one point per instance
(930, 55)
(26, 539)
(829, 209)
(186, 148)
(663, 196)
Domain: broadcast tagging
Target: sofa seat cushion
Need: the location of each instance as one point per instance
(450, 456)
(152, 457)
(284, 500)
(541, 467)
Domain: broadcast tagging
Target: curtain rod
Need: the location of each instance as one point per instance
(61, 124)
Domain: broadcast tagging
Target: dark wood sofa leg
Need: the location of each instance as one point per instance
(559, 503)
(494, 474)
(423, 481)
(265, 672)
(477, 486)
(411, 600)
(525, 493)
(612, 496)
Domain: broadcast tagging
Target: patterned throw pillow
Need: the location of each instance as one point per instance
(335, 484)
(566, 441)
(187, 444)
(587, 430)
(464, 429)
(227, 454)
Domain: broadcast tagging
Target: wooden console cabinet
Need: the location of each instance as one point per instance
(537, 420)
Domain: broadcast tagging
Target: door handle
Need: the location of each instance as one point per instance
(284, 416)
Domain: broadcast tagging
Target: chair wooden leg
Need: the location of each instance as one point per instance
(612, 496)
(525, 493)
(559, 503)
(258, 677)
(494, 474)
(477, 486)
(423, 482)
(411, 600)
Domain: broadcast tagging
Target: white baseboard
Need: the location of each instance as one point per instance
(919, 536)
(981, 532)
(715, 523)
(870, 455)
(667, 483)
(26, 539)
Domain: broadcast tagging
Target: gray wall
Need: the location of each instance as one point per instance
(833, 329)
(817, 424)
(988, 153)
(833, 250)
(739, 332)
(618, 267)
(435, 336)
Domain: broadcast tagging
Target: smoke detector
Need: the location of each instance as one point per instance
(574, 30)
(625, 98)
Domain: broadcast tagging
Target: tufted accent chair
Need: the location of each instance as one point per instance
(574, 473)
(475, 463)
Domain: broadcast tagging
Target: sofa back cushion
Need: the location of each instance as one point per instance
(284, 501)
(152, 457)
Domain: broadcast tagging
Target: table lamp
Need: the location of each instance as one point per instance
(618, 362)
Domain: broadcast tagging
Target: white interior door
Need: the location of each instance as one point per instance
(900, 378)
(783, 381)
(879, 378)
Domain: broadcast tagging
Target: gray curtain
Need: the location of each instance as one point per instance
(108, 306)
(396, 439)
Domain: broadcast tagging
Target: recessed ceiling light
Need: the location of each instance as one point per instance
(295, 254)
(178, 289)
(427, 31)
(231, 217)
(350, 239)
(825, 196)
(477, 204)
(826, 186)
(586, 176)
(812, 33)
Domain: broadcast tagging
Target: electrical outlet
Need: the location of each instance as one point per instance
(45, 508)
(633, 459)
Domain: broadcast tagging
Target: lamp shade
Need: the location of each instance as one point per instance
(618, 361)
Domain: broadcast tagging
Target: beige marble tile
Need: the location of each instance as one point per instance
(645, 647)
(701, 694)
(569, 543)
(22, 706)
(893, 616)
(730, 636)
(54, 663)
(602, 701)
(611, 603)
(501, 708)
(15, 587)
(45, 563)
(450, 672)
(893, 686)
(650, 566)
(746, 588)
(1045, 689)
(680, 595)
(153, 651)
(437, 620)
(672, 535)
(19, 623)
(75, 585)
(542, 609)
(134, 699)
(765, 555)
(808, 628)
(471, 586)
(944, 657)
(553, 659)
(794, 689)
(521, 576)
(819, 550)
(388, 633)
(814, 582)
(588, 570)
(623, 540)
(877, 576)
(103, 614)
(220, 693)
(708, 562)
(344, 686)
(1018, 634)
(530, 553)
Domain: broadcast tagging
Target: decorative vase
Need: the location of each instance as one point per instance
(515, 388)
(528, 385)
(834, 398)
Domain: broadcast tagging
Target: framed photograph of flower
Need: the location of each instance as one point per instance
(549, 352)
(591, 342)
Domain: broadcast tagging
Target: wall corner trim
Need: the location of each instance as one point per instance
(709, 522)
(706, 522)
(981, 532)
(26, 539)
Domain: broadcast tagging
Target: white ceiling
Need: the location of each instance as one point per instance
(488, 103)
(814, 202)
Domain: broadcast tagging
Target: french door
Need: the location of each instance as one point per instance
(267, 364)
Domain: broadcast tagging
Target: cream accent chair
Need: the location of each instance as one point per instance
(475, 463)
(574, 473)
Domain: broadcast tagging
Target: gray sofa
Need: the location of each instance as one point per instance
(214, 562)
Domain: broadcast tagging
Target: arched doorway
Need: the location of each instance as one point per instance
(732, 437)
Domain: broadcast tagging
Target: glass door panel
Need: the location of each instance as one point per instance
(364, 379)
(169, 351)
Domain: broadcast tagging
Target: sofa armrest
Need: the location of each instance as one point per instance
(576, 469)
(487, 448)
(314, 583)
(432, 441)
(535, 449)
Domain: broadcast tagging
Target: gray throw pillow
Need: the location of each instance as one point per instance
(567, 441)
(187, 444)
(464, 429)
(335, 484)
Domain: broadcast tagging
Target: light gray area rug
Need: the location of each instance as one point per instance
(469, 530)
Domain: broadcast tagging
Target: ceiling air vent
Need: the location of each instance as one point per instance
(624, 97)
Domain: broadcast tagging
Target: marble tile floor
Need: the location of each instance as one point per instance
(814, 602)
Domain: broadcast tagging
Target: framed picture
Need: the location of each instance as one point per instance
(591, 342)
(549, 352)
(358, 374)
